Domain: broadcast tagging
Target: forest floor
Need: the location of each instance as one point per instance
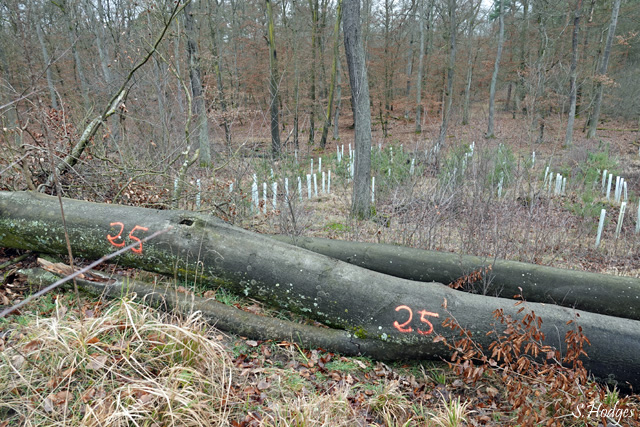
(96, 362)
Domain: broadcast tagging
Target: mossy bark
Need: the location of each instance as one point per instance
(598, 293)
(402, 315)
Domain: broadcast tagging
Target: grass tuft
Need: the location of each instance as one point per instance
(129, 366)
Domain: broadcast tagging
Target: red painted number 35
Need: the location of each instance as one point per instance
(406, 326)
(118, 240)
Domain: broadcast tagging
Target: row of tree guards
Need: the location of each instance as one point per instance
(553, 184)
(312, 187)
(383, 301)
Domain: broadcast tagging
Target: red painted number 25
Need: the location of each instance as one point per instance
(406, 328)
(118, 240)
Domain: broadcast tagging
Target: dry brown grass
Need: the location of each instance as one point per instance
(127, 366)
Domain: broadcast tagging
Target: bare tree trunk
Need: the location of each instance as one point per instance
(313, 6)
(421, 31)
(568, 140)
(585, 45)
(410, 54)
(217, 65)
(520, 89)
(176, 52)
(471, 57)
(334, 72)
(84, 85)
(540, 108)
(160, 85)
(336, 114)
(296, 109)
(98, 31)
(450, 75)
(47, 63)
(354, 49)
(273, 83)
(197, 91)
(494, 77)
(388, 69)
(593, 124)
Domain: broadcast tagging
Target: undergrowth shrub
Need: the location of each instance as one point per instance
(542, 385)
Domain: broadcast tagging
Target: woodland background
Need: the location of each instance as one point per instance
(464, 150)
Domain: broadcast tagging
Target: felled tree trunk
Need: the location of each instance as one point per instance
(402, 315)
(598, 293)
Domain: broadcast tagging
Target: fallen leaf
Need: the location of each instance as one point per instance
(32, 345)
(360, 364)
(491, 391)
(48, 404)
(97, 361)
(17, 361)
(88, 395)
(146, 398)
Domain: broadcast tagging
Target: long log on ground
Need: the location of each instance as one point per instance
(226, 318)
(402, 315)
(598, 293)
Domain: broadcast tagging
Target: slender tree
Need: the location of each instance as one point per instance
(568, 139)
(472, 55)
(450, 76)
(197, 91)
(496, 69)
(336, 114)
(47, 64)
(334, 72)
(593, 121)
(410, 55)
(217, 66)
(421, 31)
(313, 6)
(524, 31)
(354, 49)
(273, 82)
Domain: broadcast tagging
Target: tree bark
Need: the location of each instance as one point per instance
(471, 58)
(273, 83)
(336, 113)
(410, 55)
(420, 67)
(98, 29)
(593, 122)
(217, 66)
(598, 293)
(230, 319)
(197, 90)
(313, 6)
(360, 200)
(334, 72)
(446, 112)
(522, 66)
(388, 62)
(47, 63)
(494, 76)
(367, 304)
(573, 74)
(72, 21)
